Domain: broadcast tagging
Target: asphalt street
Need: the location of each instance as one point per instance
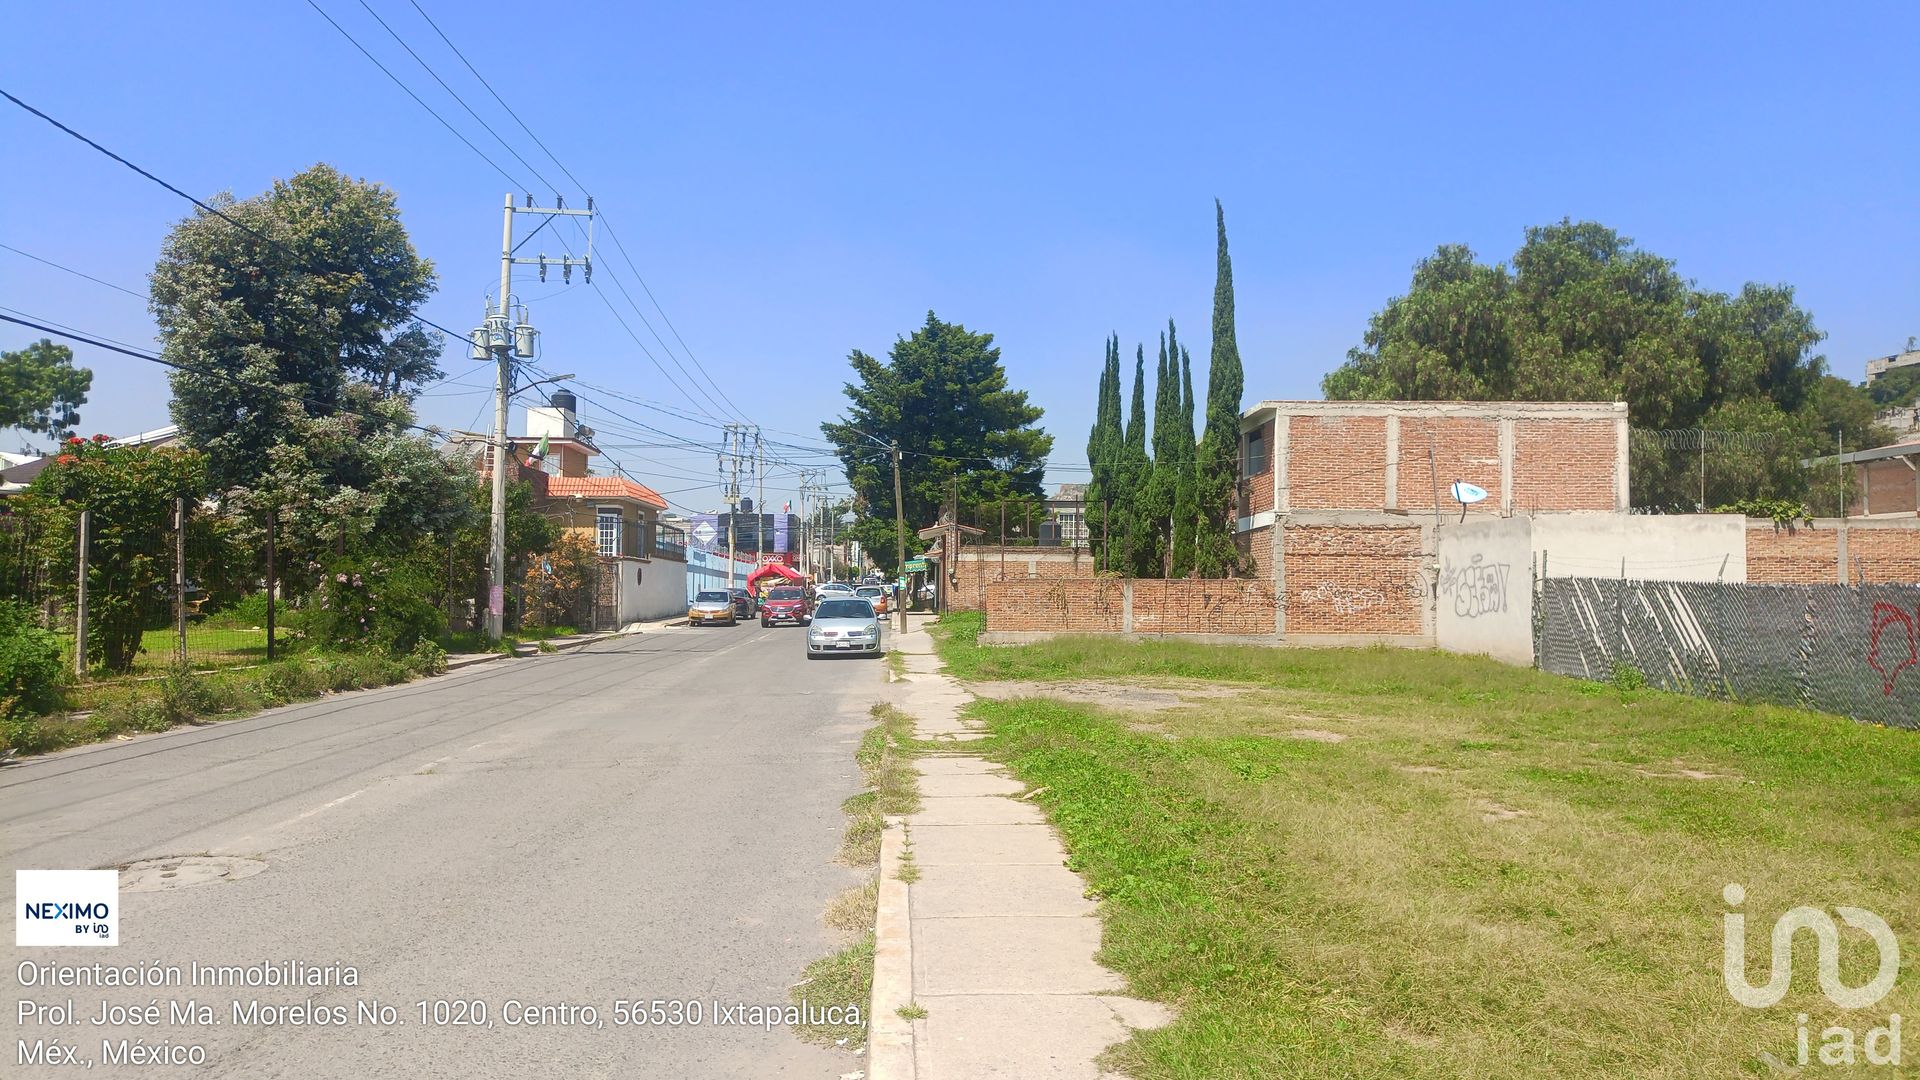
(651, 817)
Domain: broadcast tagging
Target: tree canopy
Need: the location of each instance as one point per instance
(1583, 314)
(40, 389)
(305, 312)
(942, 398)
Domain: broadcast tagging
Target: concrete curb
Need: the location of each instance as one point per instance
(889, 1035)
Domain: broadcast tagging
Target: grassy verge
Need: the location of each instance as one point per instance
(1395, 863)
(110, 709)
(846, 977)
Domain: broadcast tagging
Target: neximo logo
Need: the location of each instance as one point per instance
(1881, 1044)
(66, 907)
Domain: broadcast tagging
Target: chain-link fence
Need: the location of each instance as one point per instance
(1851, 650)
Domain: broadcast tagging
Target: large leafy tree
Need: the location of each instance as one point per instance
(40, 389)
(1217, 469)
(942, 398)
(1582, 314)
(302, 311)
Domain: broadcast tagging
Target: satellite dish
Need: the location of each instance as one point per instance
(1465, 493)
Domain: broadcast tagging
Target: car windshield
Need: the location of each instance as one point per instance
(711, 598)
(870, 590)
(844, 609)
(786, 594)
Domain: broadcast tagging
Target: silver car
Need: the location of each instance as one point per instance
(844, 625)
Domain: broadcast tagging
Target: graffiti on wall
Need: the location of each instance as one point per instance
(1892, 650)
(1344, 599)
(1477, 587)
(1354, 594)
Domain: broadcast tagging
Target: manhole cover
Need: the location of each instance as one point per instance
(186, 871)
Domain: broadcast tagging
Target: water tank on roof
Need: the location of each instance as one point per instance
(566, 402)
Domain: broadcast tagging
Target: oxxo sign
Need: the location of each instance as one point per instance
(66, 907)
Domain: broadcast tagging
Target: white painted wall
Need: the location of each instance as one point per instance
(651, 589)
(1655, 547)
(1484, 598)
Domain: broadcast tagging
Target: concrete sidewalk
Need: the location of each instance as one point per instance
(994, 938)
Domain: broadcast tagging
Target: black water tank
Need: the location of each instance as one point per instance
(565, 402)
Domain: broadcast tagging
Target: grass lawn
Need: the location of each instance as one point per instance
(208, 646)
(1388, 863)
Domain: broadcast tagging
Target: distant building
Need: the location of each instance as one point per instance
(1877, 368)
(1067, 510)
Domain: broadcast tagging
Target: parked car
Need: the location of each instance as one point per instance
(786, 604)
(839, 588)
(844, 625)
(713, 608)
(744, 605)
(876, 595)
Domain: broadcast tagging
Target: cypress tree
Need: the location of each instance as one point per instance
(1137, 474)
(1164, 479)
(1106, 446)
(1186, 505)
(1217, 471)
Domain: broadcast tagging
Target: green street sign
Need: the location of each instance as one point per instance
(915, 566)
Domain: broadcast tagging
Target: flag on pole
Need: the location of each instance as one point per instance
(787, 507)
(539, 453)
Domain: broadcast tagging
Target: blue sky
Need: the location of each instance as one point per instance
(795, 182)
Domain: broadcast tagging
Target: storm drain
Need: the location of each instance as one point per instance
(186, 871)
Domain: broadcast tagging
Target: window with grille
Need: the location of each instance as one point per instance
(608, 530)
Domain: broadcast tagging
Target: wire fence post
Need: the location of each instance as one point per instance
(80, 599)
(180, 574)
(273, 588)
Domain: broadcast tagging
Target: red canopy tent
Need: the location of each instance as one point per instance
(783, 575)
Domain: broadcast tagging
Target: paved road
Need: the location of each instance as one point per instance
(653, 816)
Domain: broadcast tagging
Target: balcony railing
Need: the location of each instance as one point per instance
(670, 540)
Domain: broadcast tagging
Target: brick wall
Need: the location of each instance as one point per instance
(1203, 607)
(1354, 580)
(1337, 462)
(1890, 488)
(1884, 556)
(1799, 556)
(1564, 465)
(1464, 448)
(1059, 605)
(980, 565)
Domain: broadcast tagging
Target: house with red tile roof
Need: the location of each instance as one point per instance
(643, 567)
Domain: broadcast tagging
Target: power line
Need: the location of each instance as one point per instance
(242, 226)
(456, 97)
(416, 97)
(103, 343)
(75, 273)
(496, 96)
(606, 223)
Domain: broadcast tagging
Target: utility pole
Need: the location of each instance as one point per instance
(501, 340)
(735, 433)
(899, 531)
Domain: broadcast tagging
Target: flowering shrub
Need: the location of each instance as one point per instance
(130, 493)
